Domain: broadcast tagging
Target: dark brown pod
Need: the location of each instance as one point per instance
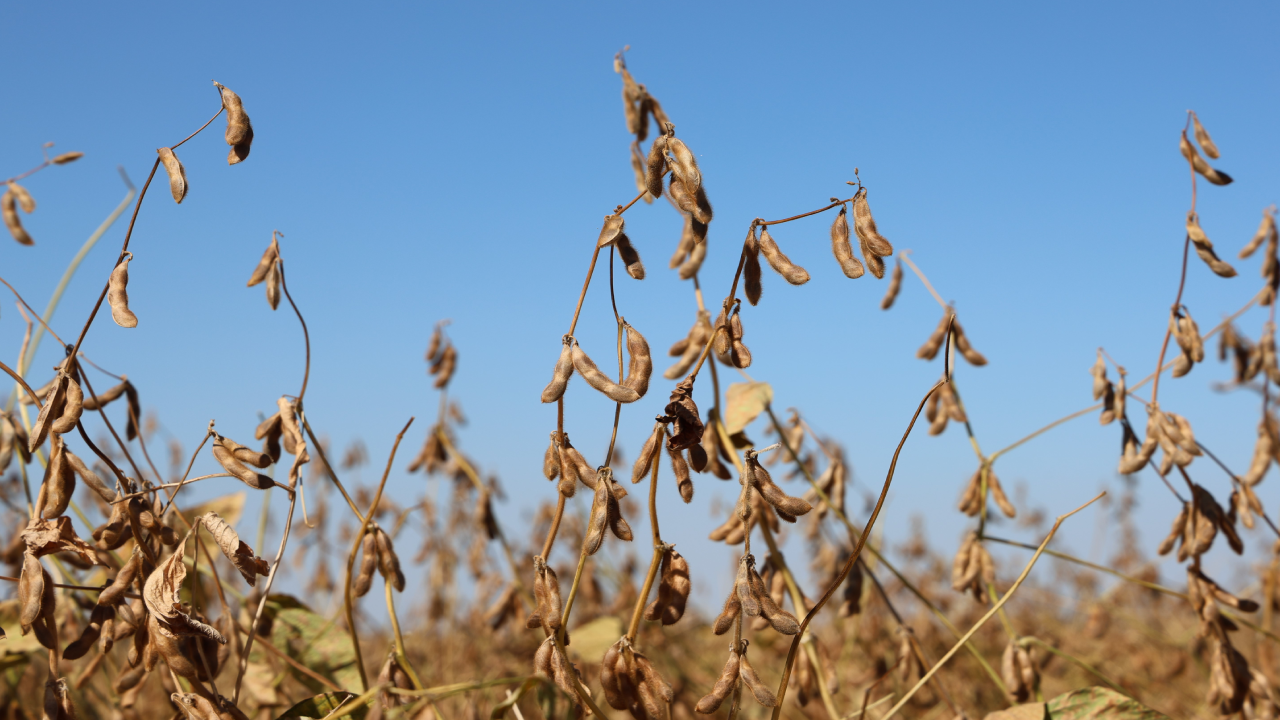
(751, 285)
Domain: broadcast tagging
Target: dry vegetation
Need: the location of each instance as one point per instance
(157, 609)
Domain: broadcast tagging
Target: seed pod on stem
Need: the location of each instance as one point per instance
(656, 165)
(598, 380)
(841, 247)
(388, 561)
(232, 456)
(368, 565)
(629, 256)
(759, 690)
(9, 208)
(239, 133)
(681, 470)
(751, 286)
(562, 372)
(648, 454)
(895, 286)
(1204, 248)
(724, 685)
(177, 173)
(1266, 231)
(1199, 164)
(698, 253)
(640, 364)
(781, 264)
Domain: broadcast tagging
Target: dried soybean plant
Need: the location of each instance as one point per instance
(155, 597)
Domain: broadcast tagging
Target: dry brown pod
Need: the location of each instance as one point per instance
(1203, 139)
(778, 260)
(966, 350)
(177, 173)
(648, 454)
(637, 167)
(1266, 231)
(239, 134)
(763, 695)
(656, 165)
(629, 256)
(673, 590)
(691, 266)
(67, 157)
(562, 372)
(929, 350)
(787, 507)
(388, 561)
(683, 164)
(1199, 164)
(874, 246)
(680, 468)
(598, 380)
(268, 271)
(690, 347)
(444, 367)
(725, 684)
(841, 247)
(640, 363)
(751, 286)
(363, 581)
(1204, 248)
(232, 456)
(72, 408)
(895, 286)
(118, 295)
(25, 201)
(9, 208)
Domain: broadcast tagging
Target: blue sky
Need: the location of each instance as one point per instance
(438, 160)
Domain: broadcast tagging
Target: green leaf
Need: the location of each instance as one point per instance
(1091, 703)
(743, 402)
(314, 641)
(315, 708)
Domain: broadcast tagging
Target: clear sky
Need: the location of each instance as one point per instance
(453, 160)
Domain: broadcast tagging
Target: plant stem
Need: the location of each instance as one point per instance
(348, 604)
(659, 549)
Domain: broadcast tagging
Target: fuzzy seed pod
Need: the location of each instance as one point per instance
(388, 561)
(629, 256)
(751, 286)
(687, 240)
(874, 246)
(840, 246)
(732, 606)
(762, 693)
(9, 206)
(1202, 137)
(640, 365)
(443, 370)
(781, 620)
(758, 477)
(656, 166)
(680, 469)
(895, 286)
(648, 454)
(614, 693)
(599, 518)
(698, 230)
(177, 173)
(562, 372)
(930, 349)
(1204, 248)
(1266, 231)
(239, 133)
(118, 295)
(72, 408)
(368, 564)
(683, 164)
(574, 466)
(231, 456)
(694, 204)
(598, 380)
(690, 347)
(637, 167)
(714, 450)
(781, 264)
(724, 685)
(1217, 177)
(59, 482)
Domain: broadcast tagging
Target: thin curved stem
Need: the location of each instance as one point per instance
(347, 601)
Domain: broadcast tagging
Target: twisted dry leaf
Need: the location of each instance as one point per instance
(236, 550)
